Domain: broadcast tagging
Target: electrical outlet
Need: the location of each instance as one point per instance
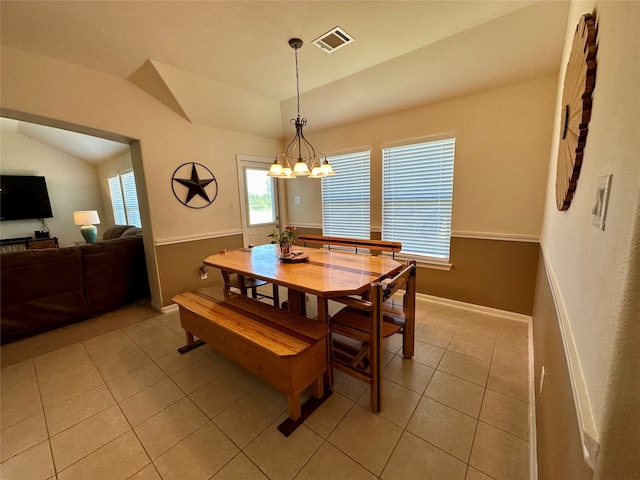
(297, 200)
(204, 272)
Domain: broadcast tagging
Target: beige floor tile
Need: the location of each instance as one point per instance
(499, 454)
(147, 473)
(148, 402)
(349, 386)
(511, 356)
(473, 474)
(276, 396)
(136, 381)
(115, 354)
(480, 325)
(66, 373)
(87, 436)
(22, 436)
(465, 367)
(175, 361)
(34, 464)
(513, 333)
(329, 463)
(359, 425)
(299, 447)
(408, 373)
(197, 457)
(433, 336)
(247, 418)
(428, 355)
(198, 374)
(117, 460)
(329, 414)
(392, 344)
(398, 402)
(456, 393)
(77, 409)
(20, 396)
(443, 321)
(245, 375)
(476, 347)
(444, 427)
(172, 425)
(218, 394)
(155, 338)
(240, 468)
(509, 380)
(415, 459)
(172, 321)
(506, 413)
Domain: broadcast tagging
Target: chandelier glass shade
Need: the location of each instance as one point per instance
(300, 158)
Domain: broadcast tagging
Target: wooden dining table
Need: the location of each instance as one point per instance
(324, 273)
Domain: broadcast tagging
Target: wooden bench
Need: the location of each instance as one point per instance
(288, 351)
(372, 245)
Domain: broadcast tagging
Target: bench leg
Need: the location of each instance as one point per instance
(191, 343)
(294, 407)
(317, 387)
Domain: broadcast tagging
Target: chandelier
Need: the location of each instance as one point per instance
(300, 158)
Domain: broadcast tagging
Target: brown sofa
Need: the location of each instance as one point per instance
(45, 289)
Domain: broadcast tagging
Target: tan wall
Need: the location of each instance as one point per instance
(494, 273)
(559, 447)
(181, 264)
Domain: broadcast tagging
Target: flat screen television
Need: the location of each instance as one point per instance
(24, 197)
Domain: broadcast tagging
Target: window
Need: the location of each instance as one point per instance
(417, 190)
(345, 197)
(124, 199)
(260, 196)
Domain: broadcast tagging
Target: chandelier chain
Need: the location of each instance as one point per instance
(297, 82)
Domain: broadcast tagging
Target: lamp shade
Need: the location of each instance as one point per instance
(86, 217)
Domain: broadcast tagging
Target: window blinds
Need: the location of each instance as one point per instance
(117, 201)
(346, 197)
(131, 199)
(417, 185)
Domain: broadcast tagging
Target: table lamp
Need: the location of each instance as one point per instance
(88, 219)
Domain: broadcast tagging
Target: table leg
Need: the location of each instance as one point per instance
(323, 316)
(297, 302)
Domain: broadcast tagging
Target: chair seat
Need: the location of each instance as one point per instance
(352, 323)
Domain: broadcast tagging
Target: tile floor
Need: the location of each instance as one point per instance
(111, 398)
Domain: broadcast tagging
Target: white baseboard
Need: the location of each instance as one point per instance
(476, 308)
(169, 308)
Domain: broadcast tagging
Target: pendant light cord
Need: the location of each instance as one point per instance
(297, 82)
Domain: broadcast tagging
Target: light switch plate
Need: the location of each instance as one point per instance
(599, 210)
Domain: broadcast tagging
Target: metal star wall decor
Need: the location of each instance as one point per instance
(201, 185)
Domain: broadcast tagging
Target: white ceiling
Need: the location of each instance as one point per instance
(405, 54)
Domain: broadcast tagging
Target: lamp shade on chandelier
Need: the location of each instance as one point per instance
(300, 158)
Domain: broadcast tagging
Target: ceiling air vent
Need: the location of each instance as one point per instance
(333, 40)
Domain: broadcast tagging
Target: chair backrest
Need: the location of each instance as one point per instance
(405, 279)
(356, 243)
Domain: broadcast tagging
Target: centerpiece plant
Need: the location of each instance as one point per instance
(285, 238)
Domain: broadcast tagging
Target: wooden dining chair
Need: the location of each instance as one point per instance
(232, 281)
(358, 329)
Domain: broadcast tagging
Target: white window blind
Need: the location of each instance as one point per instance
(417, 192)
(117, 202)
(131, 199)
(124, 199)
(346, 197)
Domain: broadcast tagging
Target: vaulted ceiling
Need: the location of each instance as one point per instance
(202, 58)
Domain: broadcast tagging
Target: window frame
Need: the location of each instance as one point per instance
(128, 198)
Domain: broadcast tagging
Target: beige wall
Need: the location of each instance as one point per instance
(501, 158)
(38, 86)
(593, 273)
(72, 184)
